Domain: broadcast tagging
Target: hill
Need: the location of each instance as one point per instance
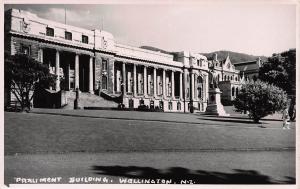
(234, 56)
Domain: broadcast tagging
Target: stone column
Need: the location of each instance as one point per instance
(91, 79)
(192, 85)
(185, 86)
(164, 83)
(154, 82)
(124, 78)
(41, 55)
(76, 71)
(134, 80)
(180, 85)
(173, 85)
(145, 81)
(57, 83)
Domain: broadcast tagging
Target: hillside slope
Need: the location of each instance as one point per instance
(234, 56)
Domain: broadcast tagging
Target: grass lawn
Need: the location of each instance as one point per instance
(44, 133)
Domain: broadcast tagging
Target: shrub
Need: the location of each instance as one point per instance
(260, 99)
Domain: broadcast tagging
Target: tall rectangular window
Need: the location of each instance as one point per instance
(50, 32)
(85, 39)
(68, 35)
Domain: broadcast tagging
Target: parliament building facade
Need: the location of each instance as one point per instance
(94, 62)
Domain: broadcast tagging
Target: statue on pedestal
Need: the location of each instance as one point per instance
(214, 106)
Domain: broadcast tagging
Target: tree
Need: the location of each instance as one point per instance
(280, 70)
(260, 99)
(23, 75)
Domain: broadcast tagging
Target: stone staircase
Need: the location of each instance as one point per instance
(89, 100)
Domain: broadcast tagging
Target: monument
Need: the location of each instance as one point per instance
(214, 106)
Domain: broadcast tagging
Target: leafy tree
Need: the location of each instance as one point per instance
(260, 99)
(23, 75)
(280, 70)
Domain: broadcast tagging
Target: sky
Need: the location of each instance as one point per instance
(256, 29)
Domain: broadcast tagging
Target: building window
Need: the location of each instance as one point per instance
(237, 91)
(68, 35)
(233, 91)
(161, 105)
(141, 102)
(25, 49)
(104, 82)
(131, 103)
(104, 65)
(178, 106)
(50, 32)
(72, 85)
(85, 39)
(170, 105)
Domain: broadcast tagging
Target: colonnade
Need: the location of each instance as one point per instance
(162, 82)
(76, 70)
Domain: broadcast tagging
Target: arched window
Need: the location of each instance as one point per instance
(237, 91)
(104, 82)
(231, 78)
(218, 77)
(232, 91)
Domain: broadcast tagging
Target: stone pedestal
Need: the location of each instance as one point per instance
(215, 106)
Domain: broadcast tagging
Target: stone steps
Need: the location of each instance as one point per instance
(89, 100)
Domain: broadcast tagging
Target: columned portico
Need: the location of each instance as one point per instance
(57, 83)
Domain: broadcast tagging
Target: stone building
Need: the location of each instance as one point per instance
(229, 78)
(93, 62)
(249, 69)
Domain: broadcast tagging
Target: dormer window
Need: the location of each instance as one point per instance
(85, 39)
(49, 31)
(68, 36)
